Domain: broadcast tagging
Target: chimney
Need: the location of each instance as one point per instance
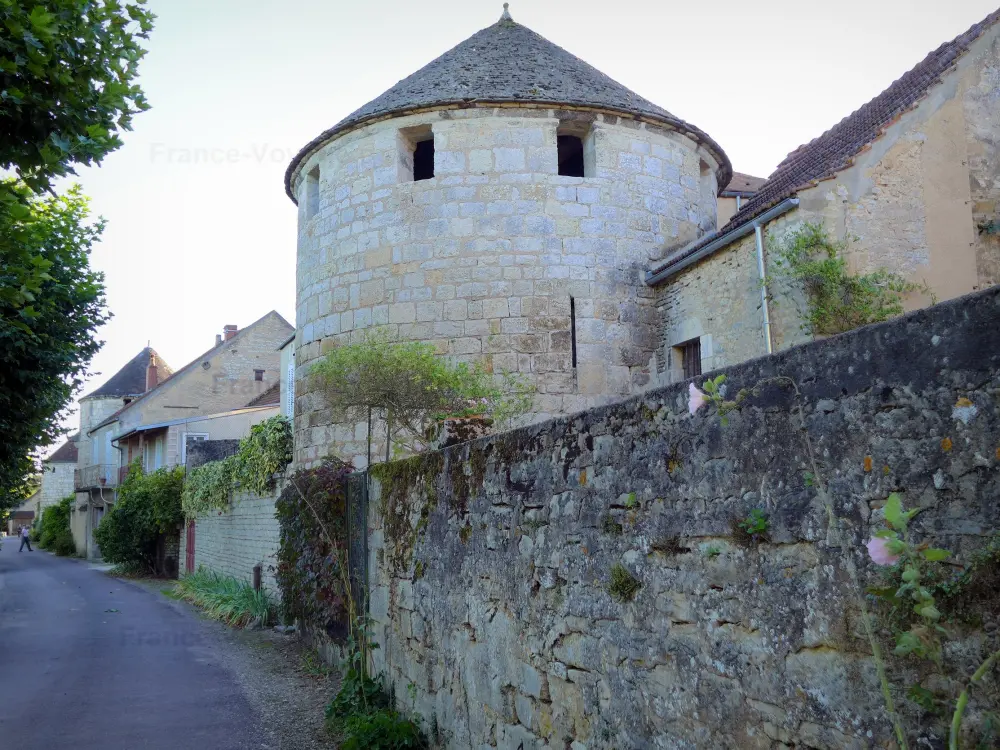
(229, 331)
(218, 339)
(152, 375)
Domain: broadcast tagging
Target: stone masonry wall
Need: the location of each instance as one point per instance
(490, 561)
(482, 260)
(231, 543)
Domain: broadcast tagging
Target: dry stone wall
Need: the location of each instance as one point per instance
(482, 260)
(491, 561)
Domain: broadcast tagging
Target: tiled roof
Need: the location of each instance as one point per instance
(270, 397)
(190, 365)
(836, 148)
(131, 379)
(508, 62)
(744, 184)
(65, 453)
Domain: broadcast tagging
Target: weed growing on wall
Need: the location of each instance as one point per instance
(915, 589)
(836, 299)
(622, 585)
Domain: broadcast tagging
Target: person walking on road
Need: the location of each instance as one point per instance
(25, 538)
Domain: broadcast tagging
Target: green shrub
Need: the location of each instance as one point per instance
(53, 533)
(148, 505)
(262, 454)
(361, 714)
(225, 598)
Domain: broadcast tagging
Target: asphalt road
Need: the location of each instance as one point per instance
(93, 663)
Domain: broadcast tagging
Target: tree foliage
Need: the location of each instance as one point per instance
(148, 505)
(67, 73)
(55, 530)
(46, 343)
(409, 384)
(837, 300)
(67, 90)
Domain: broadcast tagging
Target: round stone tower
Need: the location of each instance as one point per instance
(503, 204)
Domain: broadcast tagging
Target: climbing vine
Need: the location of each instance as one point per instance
(837, 300)
(312, 559)
(263, 453)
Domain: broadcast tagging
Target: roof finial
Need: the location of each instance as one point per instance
(506, 13)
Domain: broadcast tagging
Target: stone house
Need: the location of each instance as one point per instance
(912, 177)
(740, 189)
(208, 397)
(502, 204)
(56, 483)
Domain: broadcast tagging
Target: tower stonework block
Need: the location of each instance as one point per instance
(552, 188)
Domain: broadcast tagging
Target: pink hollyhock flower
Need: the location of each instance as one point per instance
(878, 548)
(696, 399)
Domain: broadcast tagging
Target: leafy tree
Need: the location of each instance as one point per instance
(55, 531)
(408, 384)
(67, 73)
(67, 89)
(46, 344)
(149, 505)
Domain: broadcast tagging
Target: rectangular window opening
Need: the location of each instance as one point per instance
(570, 148)
(572, 328)
(689, 354)
(423, 160)
(416, 153)
(258, 375)
(312, 192)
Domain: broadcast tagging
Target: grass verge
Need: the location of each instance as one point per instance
(225, 598)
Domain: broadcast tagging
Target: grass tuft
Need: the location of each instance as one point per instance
(623, 586)
(225, 598)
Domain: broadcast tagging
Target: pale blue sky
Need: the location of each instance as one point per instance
(200, 231)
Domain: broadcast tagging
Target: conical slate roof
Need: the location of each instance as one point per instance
(507, 62)
(131, 379)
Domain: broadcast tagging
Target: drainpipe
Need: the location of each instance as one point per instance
(763, 284)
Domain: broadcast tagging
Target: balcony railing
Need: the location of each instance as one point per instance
(98, 475)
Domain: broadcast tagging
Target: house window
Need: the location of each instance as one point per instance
(258, 375)
(689, 354)
(158, 453)
(312, 192)
(417, 153)
(191, 437)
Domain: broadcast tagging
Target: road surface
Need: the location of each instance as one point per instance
(93, 663)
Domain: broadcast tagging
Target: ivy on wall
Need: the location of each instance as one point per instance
(312, 559)
(837, 300)
(263, 453)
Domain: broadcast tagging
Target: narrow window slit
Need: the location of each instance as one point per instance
(572, 328)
